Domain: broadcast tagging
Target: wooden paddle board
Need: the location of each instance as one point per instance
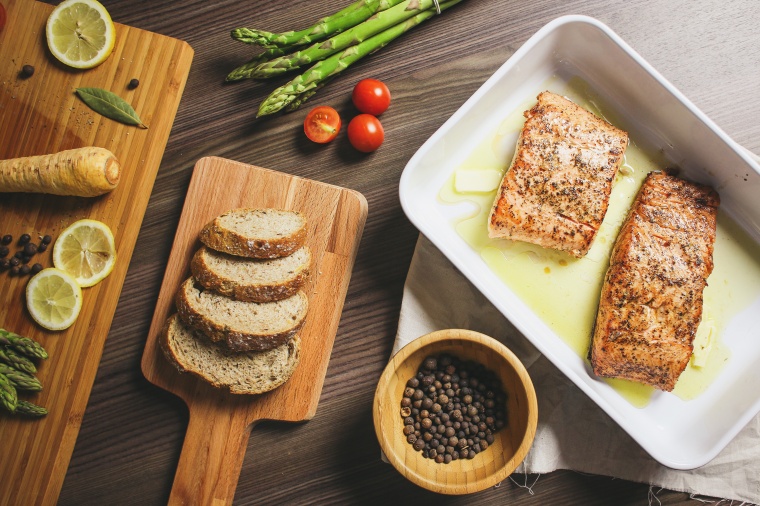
(220, 422)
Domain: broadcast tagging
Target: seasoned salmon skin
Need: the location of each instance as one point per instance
(557, 189)
(651, 300)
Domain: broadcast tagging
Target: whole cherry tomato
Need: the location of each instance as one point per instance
(371, 96)
(322, 124)
(2, 16)
(365, 133)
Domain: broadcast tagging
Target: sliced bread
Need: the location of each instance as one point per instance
(256, 233)
(242, 373)
(242, 326)
(251, 279)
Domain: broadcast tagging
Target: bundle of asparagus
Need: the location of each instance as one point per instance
(17, 372)
(331, 44)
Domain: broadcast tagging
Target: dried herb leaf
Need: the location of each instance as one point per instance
(110, 105)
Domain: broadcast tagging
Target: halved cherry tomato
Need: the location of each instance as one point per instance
(365, 133)
(2, 16)
(371, 96)
(322, 124)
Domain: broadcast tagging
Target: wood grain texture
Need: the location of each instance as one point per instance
(132, 432)
(41, 114)
(510, 445)
(220, 422)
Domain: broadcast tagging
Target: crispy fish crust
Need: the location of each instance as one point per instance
(651, 301)
(557, 189)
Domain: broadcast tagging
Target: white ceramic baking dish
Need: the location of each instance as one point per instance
(679, 434)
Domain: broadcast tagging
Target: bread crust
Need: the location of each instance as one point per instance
(247, 291)
(216, 236)
(235, 339)
(286, 371)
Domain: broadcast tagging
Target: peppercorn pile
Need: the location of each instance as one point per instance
(452, 408)
(17, 265)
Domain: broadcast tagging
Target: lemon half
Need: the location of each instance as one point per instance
(86, 250)
(54, 299)
(80, 33)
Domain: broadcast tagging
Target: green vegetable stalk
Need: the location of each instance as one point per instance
(20, 380)
(8, 396)
(303, 86)
(384, 20)
(336, 23)
(27, 408)
(19, 362)
(27, 346)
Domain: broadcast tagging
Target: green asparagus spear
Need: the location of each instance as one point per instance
(27, 346)
(326, 69)
(8, 396)
(20, 380)
(244, 71)
(20, 362)
(27, 408)
(325, 27)
(319, 51)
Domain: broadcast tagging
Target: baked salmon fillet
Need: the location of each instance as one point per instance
(557, 189)
(651, 300)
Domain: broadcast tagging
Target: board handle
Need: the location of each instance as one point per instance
(212, 456)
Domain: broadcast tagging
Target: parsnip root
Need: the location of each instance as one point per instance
(82, 172)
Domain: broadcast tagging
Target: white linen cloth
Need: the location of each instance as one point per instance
(573, 432)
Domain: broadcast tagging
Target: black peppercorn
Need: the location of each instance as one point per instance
(25, 238)
(14, 261)
(4, 251)
(4, 264)
(24, 270)
(30, 249)
(27, 71)
(36, 268)
(7, 239)
(133, 83)
(42, 247)
(46, 239)
(15, 270)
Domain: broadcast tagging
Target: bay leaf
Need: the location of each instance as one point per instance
(110, 105)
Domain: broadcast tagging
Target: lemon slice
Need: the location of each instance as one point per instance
(85, 250)
(80, 33)
(54, 299)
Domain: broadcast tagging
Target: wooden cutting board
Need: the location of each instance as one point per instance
(39, 115)
(220, 422)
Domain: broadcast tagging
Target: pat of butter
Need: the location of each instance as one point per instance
(476, 180)
(703, 341)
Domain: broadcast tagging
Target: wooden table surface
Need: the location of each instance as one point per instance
(132, 432)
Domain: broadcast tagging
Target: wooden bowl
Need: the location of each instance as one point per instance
(511, 443)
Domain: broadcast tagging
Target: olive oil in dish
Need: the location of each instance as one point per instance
(564, 291)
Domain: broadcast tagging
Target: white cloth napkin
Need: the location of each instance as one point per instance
(573, 432)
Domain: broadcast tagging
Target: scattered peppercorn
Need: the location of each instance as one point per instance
(42, 247)
(36, 268)
(30, 249)
(24, 270)
(27, 71)
(15, 270)
(7, 239)
(4, 251)
(46, 239)
(452, 416)
(14, 261)
(4, 264)
(133, 83)
(25, 238)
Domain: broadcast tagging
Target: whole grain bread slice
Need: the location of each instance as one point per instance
(241, 373)
(242, 326)
(250, 279)
(256, 233)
